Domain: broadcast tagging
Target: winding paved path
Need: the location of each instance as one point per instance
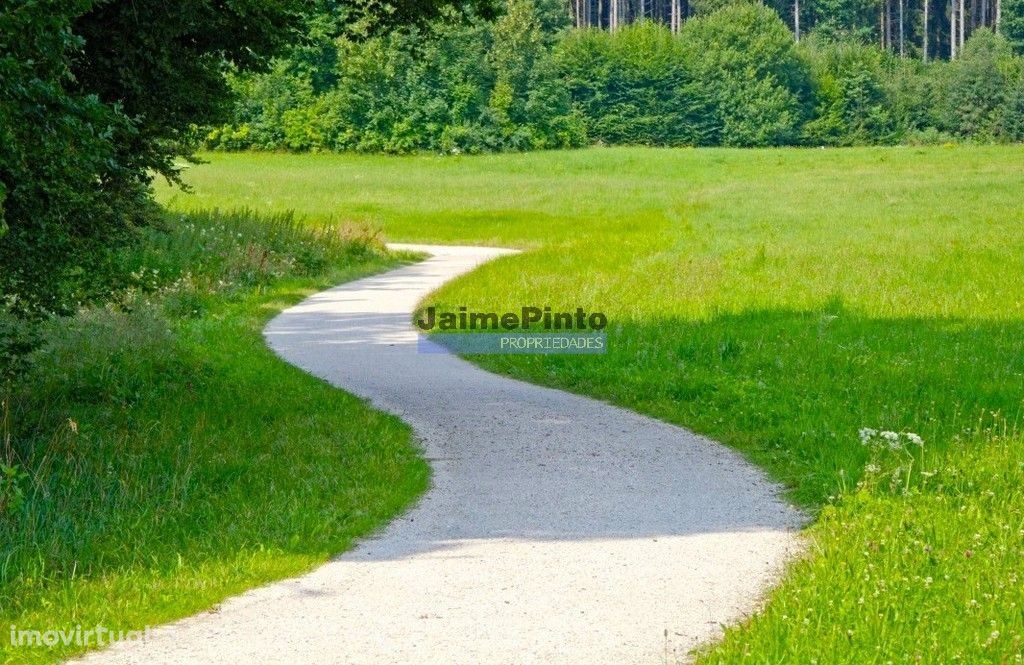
(559, 529)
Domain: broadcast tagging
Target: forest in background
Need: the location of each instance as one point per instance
(732, 74)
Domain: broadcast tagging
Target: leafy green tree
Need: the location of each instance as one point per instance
(164, 63)
(1013, 119)
(762, 86)
(529, 103)
(635, 86)
(852, 105)
(844, 19)
(65, 187)
(975, 87)
(1012, 25)
(96, 96)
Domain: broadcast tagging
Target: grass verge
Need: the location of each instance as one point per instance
(780, 301)
(165, 459)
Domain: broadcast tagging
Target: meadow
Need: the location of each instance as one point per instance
(780, 301)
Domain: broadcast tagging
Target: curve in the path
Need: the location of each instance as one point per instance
(558, 529)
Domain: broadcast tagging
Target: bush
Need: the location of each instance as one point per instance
(974, 87)
(93, 102)
(1013, 117)
(67, 194)
(1012, 26)
(17, 337)
(456, 86)
(852, 104)
(635, 87)
(762, 87)
(466, 84)
(912, 89)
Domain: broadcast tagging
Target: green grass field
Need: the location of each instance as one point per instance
(779, 301)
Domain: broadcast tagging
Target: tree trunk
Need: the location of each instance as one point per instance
(924, 38)
(963, 20)
(952, 30)
(881, 25)
(902, 50)
(886, 12)
(796, 19)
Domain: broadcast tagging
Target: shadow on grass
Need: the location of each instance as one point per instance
(791, 389)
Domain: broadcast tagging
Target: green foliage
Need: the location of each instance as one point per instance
(458, 85)
(855, 20)
(853, 107)
(635, 87)
(167, 71)
(66, 191)
(93, 101)
(464, 83)
(746, 55)
(528, 102)
(974, 87)
(1013, 117)
(1012, 26)
(17, 338)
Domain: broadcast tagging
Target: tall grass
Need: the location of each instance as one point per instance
(926, 573)
(156, 457)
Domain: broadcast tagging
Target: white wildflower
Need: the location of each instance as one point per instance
(915, 439)
(866, 434)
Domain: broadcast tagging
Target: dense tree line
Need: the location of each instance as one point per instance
(728, 75)
(910, 28)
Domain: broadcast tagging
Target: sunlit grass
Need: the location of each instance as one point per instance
(778, 300)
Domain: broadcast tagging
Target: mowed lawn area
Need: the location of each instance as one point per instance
(779, 301)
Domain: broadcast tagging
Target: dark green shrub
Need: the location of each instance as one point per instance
(18, 336)
(528, 102)
(852, 105)
(93, 102)
(974, 87)
(635, 87)
(1013, 116)
(762, 87)
(454, 86)
(465, 83)
(1012, 26)
(68, 195)
(912, 89)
